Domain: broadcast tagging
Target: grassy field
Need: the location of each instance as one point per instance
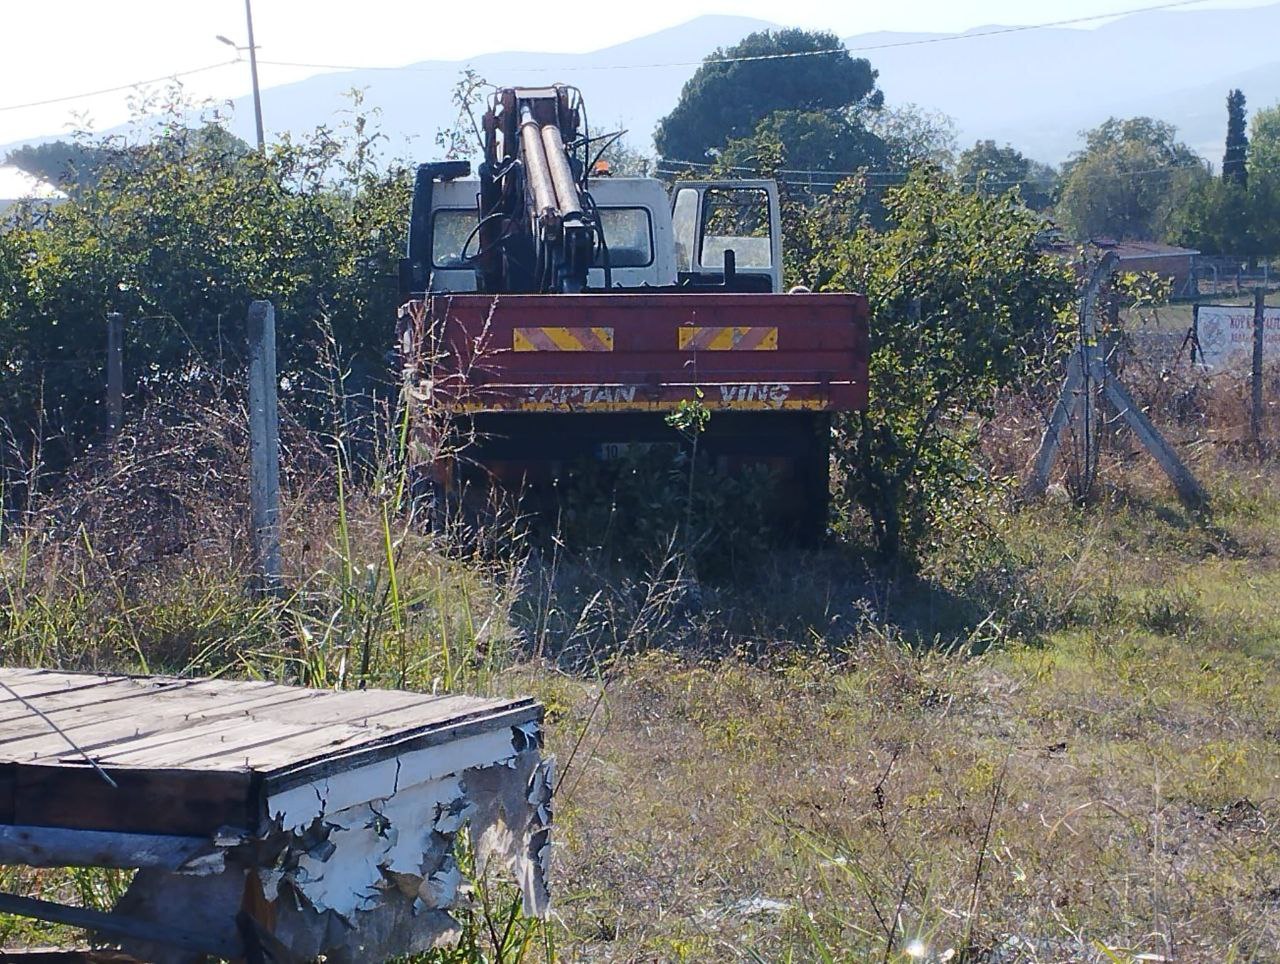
(1059, 744)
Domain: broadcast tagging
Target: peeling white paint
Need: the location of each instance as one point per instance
(390, 825)
(297, 808)
(441, 888)
(372, 837)
(205, 865)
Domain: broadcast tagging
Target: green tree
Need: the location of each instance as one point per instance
(68, 165)
(1235, 215)
(965, 305)
(178, 234)
(1235, 168)
(793, 70)
(914, 136)
(1264, 180)
(1128, 181)
(78, 165)
(990, 169)
(1264, 143)
(813, 140)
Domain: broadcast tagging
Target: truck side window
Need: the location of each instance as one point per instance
(629, 234)
(684, 224)
(737, 219)
(450, 228)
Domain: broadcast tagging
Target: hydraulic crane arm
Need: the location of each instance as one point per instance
(538, 230)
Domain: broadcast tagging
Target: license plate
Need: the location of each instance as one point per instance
(612, 451)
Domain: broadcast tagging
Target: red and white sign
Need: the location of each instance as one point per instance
(1225, 334)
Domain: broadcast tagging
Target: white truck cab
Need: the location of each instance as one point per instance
(651, 238)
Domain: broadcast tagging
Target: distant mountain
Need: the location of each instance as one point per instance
(1035, 89)
(621, 86)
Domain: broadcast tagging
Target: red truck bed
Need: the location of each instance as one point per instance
(643, 352)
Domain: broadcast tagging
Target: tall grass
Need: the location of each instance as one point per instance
(140, 562)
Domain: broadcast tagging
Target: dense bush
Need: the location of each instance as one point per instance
(179, 233)
(964, 304)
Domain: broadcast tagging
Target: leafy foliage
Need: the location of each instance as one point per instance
(1239, 213)
(990, 169)
(64, 164)
(914, 136)
(178, 234)
(814, 140)
(1235, 168)
(965, 305)
(727, 99)
(1128, 180)
(1264, 142)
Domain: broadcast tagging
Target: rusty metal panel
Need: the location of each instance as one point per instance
(810, 352)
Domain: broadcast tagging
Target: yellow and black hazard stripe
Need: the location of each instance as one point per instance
(562, 339)
(733, 338)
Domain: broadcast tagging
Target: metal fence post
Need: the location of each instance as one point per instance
(1259, 323)
(264, 446)
(115, 372)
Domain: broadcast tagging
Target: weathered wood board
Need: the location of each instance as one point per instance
(189, 757)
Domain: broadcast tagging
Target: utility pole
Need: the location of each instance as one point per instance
(253, 71)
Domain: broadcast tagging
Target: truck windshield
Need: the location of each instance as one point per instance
(449, 231)
(737, 219)
(629, 234)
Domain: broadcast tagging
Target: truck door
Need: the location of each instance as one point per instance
(712, 217)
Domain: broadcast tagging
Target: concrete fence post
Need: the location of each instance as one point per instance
(1259, 333)
(264, 447)
(115, 372)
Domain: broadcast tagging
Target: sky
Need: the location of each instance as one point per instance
(96, 44)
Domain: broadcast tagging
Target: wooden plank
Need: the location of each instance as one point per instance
(71, 698)
(105, 727)
(233, 741)
(322, 742)
(27, 681)
(18, 674)
(319, 767)
(65, 955)
(411, 716)
(376, 708)
(168, 802)
(8, 777)
(119, 926)
(270, 741)
(199, 692)
(32, 687)
(74, 715)
(59, 847)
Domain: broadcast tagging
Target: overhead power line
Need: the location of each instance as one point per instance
(115, 90)
(819, 178)
(922, 41)
(888, 45)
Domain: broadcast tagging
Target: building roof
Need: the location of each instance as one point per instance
(1132, 250)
